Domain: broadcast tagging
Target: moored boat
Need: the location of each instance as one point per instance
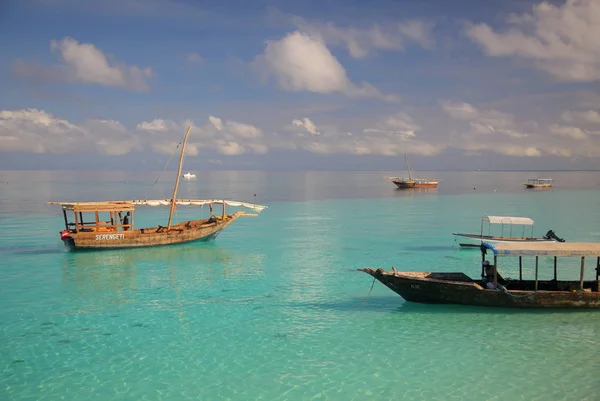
(405, 183)
(494, 290)
(512, 229)
(539, 183)
(110, 224)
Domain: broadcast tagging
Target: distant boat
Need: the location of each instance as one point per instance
(189, 176)
(413, 182)
(539, 183)
(506, 234)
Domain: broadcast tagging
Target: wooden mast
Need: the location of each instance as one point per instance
(407, 167)
(173, 200)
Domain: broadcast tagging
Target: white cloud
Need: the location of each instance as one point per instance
(157, 125)
(226, 137)
(361, 42)
(307, 124)
(507, 135)
(401, 126)
(300, 62)
(216, 122)
(195, 58)
(570, 132)
(460, 110)
(36, 131)
(229, 148)
(562, 40)
(484, 122)
(84, 63)
(243, 130)
(516, 150)
(590, 116)
(111, 137)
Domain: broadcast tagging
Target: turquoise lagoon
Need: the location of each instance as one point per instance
(274, 308)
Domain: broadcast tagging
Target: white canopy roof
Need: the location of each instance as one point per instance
(545, 248)
(166, 202)
(524, 221)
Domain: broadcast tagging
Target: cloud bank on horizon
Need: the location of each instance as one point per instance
(382, 80)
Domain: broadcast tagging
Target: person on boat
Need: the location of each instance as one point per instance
(126, 222)
(489, 276)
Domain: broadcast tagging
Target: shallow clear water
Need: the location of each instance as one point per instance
(274, 308)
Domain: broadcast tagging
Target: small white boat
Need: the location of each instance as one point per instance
(508, 234)
(189, 176)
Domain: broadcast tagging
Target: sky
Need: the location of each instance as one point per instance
(300, 85)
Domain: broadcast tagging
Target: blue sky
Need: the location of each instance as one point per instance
(321, 85)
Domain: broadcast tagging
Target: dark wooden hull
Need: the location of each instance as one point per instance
(405, 185)
(458, 288)
(193, 230)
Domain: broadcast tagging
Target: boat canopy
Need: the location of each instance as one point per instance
(524, 221)
(582, 249)
(130, 204)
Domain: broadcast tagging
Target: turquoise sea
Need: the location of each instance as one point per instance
(274, 308)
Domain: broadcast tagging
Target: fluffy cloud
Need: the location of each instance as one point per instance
(470, 129)
(36, 131)
(401, 125)
(226, 137)
(483, 122)
(157, 125)
(590, 116)
(216, 122)
(392, 136)
(562, 40)
(569, 132)
(84, 63)
(360, 42)
(307, 125)
(300, 62)
(506, 135)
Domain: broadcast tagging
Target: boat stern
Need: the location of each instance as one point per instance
(67, 239)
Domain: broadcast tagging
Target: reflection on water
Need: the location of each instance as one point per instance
(118, 273)
(415, 191)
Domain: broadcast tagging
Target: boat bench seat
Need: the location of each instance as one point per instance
(105, 229)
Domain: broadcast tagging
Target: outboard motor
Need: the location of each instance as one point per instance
(550, 235)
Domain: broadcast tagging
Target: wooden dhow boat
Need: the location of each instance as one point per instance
(404, 183)
(512, 229)
(110, 224)
(494, 290)
(539, 183)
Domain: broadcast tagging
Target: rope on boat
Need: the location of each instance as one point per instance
(505, 290)
(370, 290)
(166, 165)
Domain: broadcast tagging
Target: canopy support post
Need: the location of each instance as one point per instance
(76, 222)
(495, 271)
(483, 252)
(582, 270)
(520, 268)
(66, 220)
(598, 269)
(555, 276)
(537, 259)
